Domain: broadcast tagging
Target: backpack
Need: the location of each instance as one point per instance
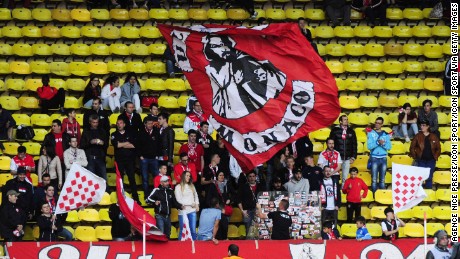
(25, 132)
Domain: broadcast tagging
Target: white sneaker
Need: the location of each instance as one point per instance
(407, 139)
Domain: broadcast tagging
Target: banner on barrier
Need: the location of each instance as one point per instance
(295, 249)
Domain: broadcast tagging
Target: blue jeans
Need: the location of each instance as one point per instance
(203, 237)
(164, 224)
(248, 220)
(97, 167)
(192, 222)
(379, 167)
(65, 234)
(148, 165)
(427, 164)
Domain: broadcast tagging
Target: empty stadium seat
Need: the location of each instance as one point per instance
(178, 14)
(412, 14)
(393, 49)
(104, 233)
(412, 100)
(440, 31)
(443, 194)
(89, 215)
(40, 134)
(217, 14)
(412, 67)
(392, 67)
(196, 14)
(11, 32)
(348, 230)
(336, 67)
(375, 230)
(21, 119)
(406, 214)
(9, 103)
(324, 32)
(442, 177)
(4, 177)
(80, 49)
(159, 14)
(419, 212)
(374, 50)
(336, 50)
(315, 14)
(129, 32)
(356, 50)
(394, 14)
(361, 162)
(28, 102)
(72, 217)
(79, 68)
(31, 31)
(22, 14)
(388, 101)
(433, 66)
(81, 15)
(344, 32)
(139, 14)
(372, 66)
(432, 51)
(413, 230)
(433, 84)
(118, 67)
(110, 32)
(100, 14)
(421, 31)
(358, 118)
(431, 228)
(85, 234)
(373, 84)
(150, 32)
(413, 83)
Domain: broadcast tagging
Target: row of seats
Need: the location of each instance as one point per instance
(390, 84)
(410, 230)
(390, 67)
(361, 31)
(416, 213)
(350, 102)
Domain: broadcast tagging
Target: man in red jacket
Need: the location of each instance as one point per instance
(352, 188)
(50, 97)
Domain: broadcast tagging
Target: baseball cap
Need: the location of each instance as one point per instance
(12, 192)
(164, 178)
(21, 170)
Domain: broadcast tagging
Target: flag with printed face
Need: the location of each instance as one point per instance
(407, 186)
(262, 87)
(81, 188)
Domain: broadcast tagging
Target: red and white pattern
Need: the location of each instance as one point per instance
(81, 188)
(186, 234)
(407, 186)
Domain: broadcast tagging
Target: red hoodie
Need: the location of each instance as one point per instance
(46, 92)
(354, 193)
(73, 129)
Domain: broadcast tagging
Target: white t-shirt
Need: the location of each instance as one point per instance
(329, 188)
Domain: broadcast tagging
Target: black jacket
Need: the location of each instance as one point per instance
(283, 174)
(11, 216)
(148, 145)
(304, 147)
(98, 151)
(46, 232)
(167, 143)
(88, 93)
(228, 194)
(347, 147)
(121, 227)
(167, 200)
(123, 153)
(103, 119)
(133, 125)
(49, 141)
(247, 198)
(25, 200)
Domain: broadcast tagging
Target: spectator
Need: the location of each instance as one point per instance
(132, 119)
(248, 5)
(372, 9)
(426, 114)
(187, 196)
(167, 136)
(95, 142)
(247, 199)
(282, 221)
(121, 228)
(338, 9)
(123, 142)
(286, 173)
(440, 249)
(297, 183)
(194, 151)
(355, 189)
(407, 120)
(74, 155)
(182, 166)
(378, 142)
(206, 141)
(48, 224)
(195, 117)
(425, 148)
(233, 252)
(390, 226)
(313, 173)
(71, 126)
(209, 222)
(39, 192)
(223, 190)
(277, 185)
(97, 109)
(154, 113)
(7, 123)
(20, 185)
(330, 232)
(57, 140)
(210, 173)
(300, 149)
(92, 90)
(50, 97)
(13, 218)
(331, 158)
(22, 159)
(148, 149)
(345, 143)
(111, 94)
(171, 65)
(306, 32)
(221, 150)
(49, 164)
(361, 232)
(130, 91)
(163, 199)
(162, 171)
(330, 197)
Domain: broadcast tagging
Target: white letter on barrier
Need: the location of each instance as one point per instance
(98, 252)
(388, 251)
(67, 252)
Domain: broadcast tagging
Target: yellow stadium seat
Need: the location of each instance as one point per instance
(22, 14)
(85, 234)
(56, 116)
(407, 214)
(90, 31)
(5, 162)
(99, 49)
(397, 148)
(202, 15)
(72, 32)
(375, 230)
(445, 101)
(315, 14)
(178, 14)
(241, 14)
(72, 102)
(336, 50)
(413, 83)
(50, 31)
(217, 14)
(41, 49)
(28, 102)
(15, 84)
(324, 32)
(421, 31)
(443, 162)
(393, 49)
(139, 49)
(5, 14)
(413, 230)
(433, 66)
(80, 49)
(402, 31)
(20, 67)
(31, 31)
(109, 162)
(10, 103)
(412, 14)
(354, 84)
(434, 99)
(431, 228)
(155, 84)
(440, 31)
(159, 14)
(336, 67)
(129, 32)
(40, 134)
(81, 15)
(156, 67)
(137, 67)
(11, 148)
(412, 67)
(321, 49)
(110, 32)
(432, 51)
(433, 84)
(174, 215)
(426, 13)
(340, 83)
(157, 48)
(119, 49)
(355, 50)
(374, 50)
(182, 101)
(407, 99)
(442, 212)
(60, 49)
(79, 68)
(33, 148)
(177, 119)
(180, 135)
(104, 233)
(401, 159)
(448, 228)
(373, 84)
(342, 213)
(118, 67)
(443, 194)
(119, 14)
(61, 15)
(6, 49)
(348, 230)
(98, 68)
(442, 177)
(372, 66)
(383, 32)
(419, 212)
(236, 216)
(60, 68)
(321, 134)
(175, 84)
(40, 67)
(446, 147)
(139, 14)
(377, 212)
(392, 67)
(112, 181)
(100, 14)
(150, 32)
(394, 14)
(21, 119)
(388, 101)
(344, 32)
(5, 177)
(22, 50)
(260, 13)
(233, 231)
(368, 101)
(357, 118)
(168, 102)
(11, 32)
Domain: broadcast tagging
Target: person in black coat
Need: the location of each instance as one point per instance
(92, 90)
(148, 148)
(7, 123)
(96, 108)
(132, 119)
(247, 198)
(167, 136)
(94, 141)
(20, 185)
(121, 228)
(49, 225)
(300, 149)
(12, 218)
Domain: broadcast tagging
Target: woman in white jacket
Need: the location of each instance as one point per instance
(187, 196)
(111, 94)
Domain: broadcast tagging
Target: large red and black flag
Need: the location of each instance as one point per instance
(263, 87)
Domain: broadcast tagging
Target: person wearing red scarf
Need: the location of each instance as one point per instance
(195, 117)
(71, 125)
(331, 158)
(50, 97)
(194, 150)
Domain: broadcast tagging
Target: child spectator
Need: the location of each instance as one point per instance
(352, 188)
(390, 226)
(361, 232)
(330, 232)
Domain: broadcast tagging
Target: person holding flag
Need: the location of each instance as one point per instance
(390, 226)
(187, 196)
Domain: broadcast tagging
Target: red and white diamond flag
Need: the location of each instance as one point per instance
(407, 186)
(81, 188)
(186, 234)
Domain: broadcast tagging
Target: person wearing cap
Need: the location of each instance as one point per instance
(24, 160)
(277, 185)
(12, 218)
(440, 249)
(163, 199)
(22, 186)
(425, 148)
(390, 226)
(297, 183)
(7, 123)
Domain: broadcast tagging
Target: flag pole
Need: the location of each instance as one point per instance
(143, 238)
(193, 246)
(424, 234)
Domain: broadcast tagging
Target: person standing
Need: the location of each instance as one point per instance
(50, 97)
(390, 226)
(247, 199)
(330, 197)
(282, 221)
(123, 142)
(378, 142)
(7, 124)
(48, 224)
(162, 171)
(336, 9)
(286, 173)
(425, 148)
(353, 187)
(210, 173)
(92, 90)
(74, 155)
(71, 125)
(206, 141)
(95, 142)
(97, 109)
(167, 136)
(345, 143)
(57, 140)
(154, 113)
(313, 173)
(20, 185)
(425, 113)
(111, 93)
(183, 166)
(233, 251)
(187, 196)
(372, 9)
(209, 222)
(49, 164)
(148, 149)
(195, 117)
(194, 151)
(130, 91)
(132, 119)
(331, 158)
(12, 218)
(440, 249)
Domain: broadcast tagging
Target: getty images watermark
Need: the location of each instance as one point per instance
(454, 122)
